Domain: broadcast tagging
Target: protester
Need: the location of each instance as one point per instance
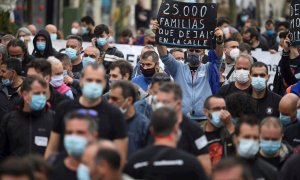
(57, 78)
(288, 109)
(42, 68)
(231, 51)
(246, 139)
(108, 53)
(218, 129)
(80, 128)
(178, 54)
(137, 68)
(266, 101)
(15, 168)
(73, 50)
(11, 82)
(253, 38)
(111, 124)
(52, 30)
(91, 55)
(6, 38)
(3, 53)
(39, 167)
(142, 15)
(24, 35)
(148, 163)
(87, 28)
(270, 33)
(75, 28)
(43, 45)
(272, 148)
(34, 118)
(32, 29)
(195, 90)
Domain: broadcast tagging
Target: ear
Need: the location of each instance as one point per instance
(47, 78)
(130, 100)
(126, 76)
(205, 111)
(25, 96)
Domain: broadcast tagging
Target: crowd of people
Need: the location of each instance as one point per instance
(87, 113)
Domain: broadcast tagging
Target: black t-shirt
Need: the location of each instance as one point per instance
(292, 135)
(268, 105)
(60, 171)
(262, 169)
(162, 162)
(290, 169)
(231, 88)
(111, 124)
(215, 146)
(76, 69)
(275, 161)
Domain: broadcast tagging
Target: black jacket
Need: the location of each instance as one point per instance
(22, 133)
(49, 51)
(8, 103)
(55, 98)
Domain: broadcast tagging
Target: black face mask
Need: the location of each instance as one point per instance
(148, 72)
(193, 59)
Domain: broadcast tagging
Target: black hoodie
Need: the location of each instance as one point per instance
(49, 51)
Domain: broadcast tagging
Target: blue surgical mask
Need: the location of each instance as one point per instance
(215, 119)
(87, 60)
(41, 46)
(285, 120)
(277, 39)
(72, 53)
(101, 41)
(92, 90)
(258, 83)
(247, 148)
(38, 102)
(244, 18)
(269, 147)
(270, 32)
(298, 115)
(83, 172)
(75, 145)
(53, 36)
(65, 73)
(84, 30)
(6, 82)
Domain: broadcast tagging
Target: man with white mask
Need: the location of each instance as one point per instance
(231, 51)
(246, 140)
(241, 73)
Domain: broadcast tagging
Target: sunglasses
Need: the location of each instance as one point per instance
(89, 55)
(195, 50)
(85, 112)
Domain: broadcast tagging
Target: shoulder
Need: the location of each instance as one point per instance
(274, 95)
(266, 166)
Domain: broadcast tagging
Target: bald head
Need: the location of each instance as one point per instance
(32, 29)
(51, 28)
(288, 105)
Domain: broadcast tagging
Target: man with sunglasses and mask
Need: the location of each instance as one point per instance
(80, 128)
(198, 81)
(111, 125)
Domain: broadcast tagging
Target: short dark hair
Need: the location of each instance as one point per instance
(15, 166)
(100, 29)
(259, 64)
(253, 32)
(28, 81)
(153, 54)
(88, 20)
(245, 119)
(229, 40)
(94, 66)
(111, 156)
(206, 104)
(88, 115)
(13, 64)
(63, 57)
(245, 47)
(171, 87)
(124, 66)
(231, 162)
(240, 103)
(283, 34)
(223, 20)
(128, 89)
(41, 66)
(269, 21)
(76, 37)
(160, 78)
(163, 121)
(38, 164)
(18, 42)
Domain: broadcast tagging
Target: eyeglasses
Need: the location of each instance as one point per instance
(195, 50)
(89, 55)
(87, 112)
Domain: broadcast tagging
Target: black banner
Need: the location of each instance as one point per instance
(295, 22)
(186, 25)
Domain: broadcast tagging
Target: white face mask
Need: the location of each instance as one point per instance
(226, 30)
(248, 148)
(234, 53)
(74, 31)
(56, 81)
(242, 76)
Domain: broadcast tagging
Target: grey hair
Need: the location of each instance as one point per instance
(3, 51)
(247, 56)
(275, 121)
(54, 61)
(25, 30)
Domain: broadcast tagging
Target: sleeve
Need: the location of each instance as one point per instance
(58, 125)
(171, 64)
(119, 126)
(285, 70)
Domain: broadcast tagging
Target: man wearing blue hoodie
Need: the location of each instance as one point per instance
(198, 81)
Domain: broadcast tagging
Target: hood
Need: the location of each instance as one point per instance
(48, 51)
